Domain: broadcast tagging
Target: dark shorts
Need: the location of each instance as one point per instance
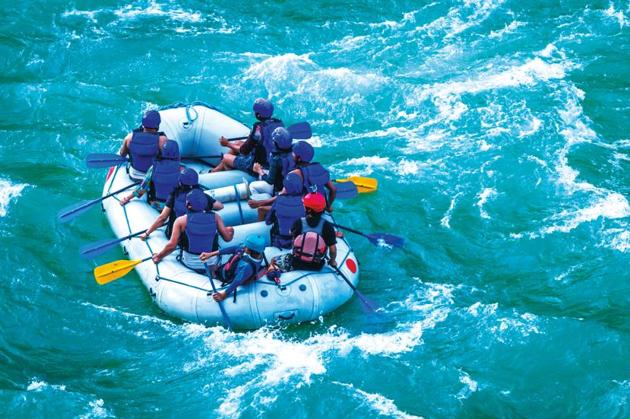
(244, 163)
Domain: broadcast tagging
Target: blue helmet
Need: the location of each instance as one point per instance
(151, 119)
(196, 200)
(255, 243)
(304, 151)
(189, 177)
(170, 150)
(282, 139)
(263, 107)
(293, 184)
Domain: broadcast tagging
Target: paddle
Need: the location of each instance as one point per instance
(93, 250)
(226, 319)
(74, 211)
(346, 190)
(377, 238)
(363, 184)
(109, 272)
(366, 303)
(100, 160)
(298, 131)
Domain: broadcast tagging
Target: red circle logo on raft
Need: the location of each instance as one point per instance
(351, 265)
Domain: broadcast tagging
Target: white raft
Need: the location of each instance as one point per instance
(180, 292)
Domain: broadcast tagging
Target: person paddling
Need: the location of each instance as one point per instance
(161, 178)
(315, 178)
(196, 232)
(257, 147)
(281, 163)
(285, 211)
(313, 237)
(243, 267)
(175, 205)
(143, 144)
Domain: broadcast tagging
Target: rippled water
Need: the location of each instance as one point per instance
(497, 131)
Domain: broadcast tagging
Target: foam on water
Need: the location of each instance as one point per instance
(8, 193)
(618, 15)
(377, 402)
(37, 385)
(484, 196)
(457, 20)
(446, 219)
(617, 239)
(447, 96)
(504, 325)
(96, 410)
(508, 29)
(470, 385)
(156, 9)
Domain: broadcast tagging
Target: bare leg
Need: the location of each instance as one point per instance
(227, 163)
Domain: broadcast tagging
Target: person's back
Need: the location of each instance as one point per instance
(143, 144)
(313, 236)
(315, 178)
(280, 164)
(200, 232)
(165, 175)
(285, 211)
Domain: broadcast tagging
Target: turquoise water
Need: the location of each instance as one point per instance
(498, 131)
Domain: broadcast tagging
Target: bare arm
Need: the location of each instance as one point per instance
(218, 205)
(331, 194)
(178, 227)
(261, 203)
(124, 149)
(159, 221)
(332, 254)
(226, 232)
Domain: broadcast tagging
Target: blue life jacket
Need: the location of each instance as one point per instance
(165, 178)
(314, 178)
(143, 148)
(179, 206)
(287, 164)
(288, 209)
(264, 144)
(201, 229)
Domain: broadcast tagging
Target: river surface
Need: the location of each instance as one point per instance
(498, 131)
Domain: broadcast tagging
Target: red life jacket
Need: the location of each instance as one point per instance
(309, 247)
(228, 270)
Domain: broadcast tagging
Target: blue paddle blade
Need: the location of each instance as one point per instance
(100, 160)
(73, 211)
(346, 190)
(366, 304)
(300, 131)
(384, 239)
(93, 250)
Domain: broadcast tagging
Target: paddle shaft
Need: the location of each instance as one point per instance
(356, 291)
(214, 289)
(101, 247)
(118, 191)
(88, 204)
(351, 230)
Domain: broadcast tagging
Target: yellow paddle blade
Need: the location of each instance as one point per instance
(364, 184)
(114, 270)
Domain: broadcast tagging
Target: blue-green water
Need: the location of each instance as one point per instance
(498, 131)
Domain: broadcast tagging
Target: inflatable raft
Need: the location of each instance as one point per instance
(179, 291)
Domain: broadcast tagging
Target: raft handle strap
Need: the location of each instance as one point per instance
(190, 119)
